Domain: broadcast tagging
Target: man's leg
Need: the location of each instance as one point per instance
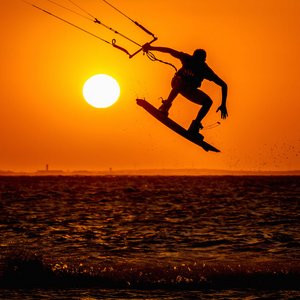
(175, 83)
(198, 97)
(164, 108)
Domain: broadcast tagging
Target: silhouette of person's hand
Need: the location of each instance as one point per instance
(223, 110)
(146, 47)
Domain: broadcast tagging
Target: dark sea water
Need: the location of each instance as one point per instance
(135, 237)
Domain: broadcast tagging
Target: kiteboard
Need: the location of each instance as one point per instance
(198, 140)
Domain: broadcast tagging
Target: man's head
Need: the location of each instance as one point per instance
(200, 54)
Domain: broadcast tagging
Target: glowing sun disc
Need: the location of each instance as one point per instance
(101, 91)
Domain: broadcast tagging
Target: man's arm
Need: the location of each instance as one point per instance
(170, 51)
(217, 80)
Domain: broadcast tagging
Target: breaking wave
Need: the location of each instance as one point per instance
(30, 270)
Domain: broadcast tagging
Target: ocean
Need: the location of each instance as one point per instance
(150, 237)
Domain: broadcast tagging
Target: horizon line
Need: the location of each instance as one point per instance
(154, 171)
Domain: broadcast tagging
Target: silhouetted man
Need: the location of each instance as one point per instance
(188, 79)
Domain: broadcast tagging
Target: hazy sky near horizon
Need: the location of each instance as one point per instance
(253, 45)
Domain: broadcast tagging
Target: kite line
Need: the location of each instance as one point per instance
(87, 15)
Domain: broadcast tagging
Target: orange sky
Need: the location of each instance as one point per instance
(253, 45)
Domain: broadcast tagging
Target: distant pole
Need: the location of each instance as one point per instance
(47, 167)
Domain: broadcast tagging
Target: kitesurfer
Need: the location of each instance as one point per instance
(187, 81)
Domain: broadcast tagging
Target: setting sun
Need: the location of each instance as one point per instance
(101, 91)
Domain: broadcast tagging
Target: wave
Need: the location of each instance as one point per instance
(33, 271)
